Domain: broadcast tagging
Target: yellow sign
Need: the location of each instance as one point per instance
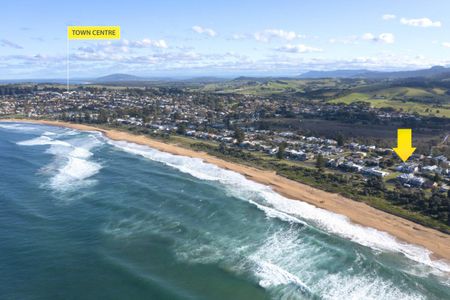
(93, 32)
(404, 144)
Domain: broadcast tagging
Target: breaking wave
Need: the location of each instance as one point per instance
(18, 127)
(273, 275)
(42, 140)
(71, 167)
(284, 208)
(292, 254)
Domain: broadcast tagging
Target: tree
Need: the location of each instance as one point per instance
(177, 115)
(387, 163)
(320, 161)
(227, 122)
(87, 117)
(181, 129)
(376, 183)
(222, 147)
(239, 135)
(281, 150)
(340, 140)
(102, 117)
(437, 178)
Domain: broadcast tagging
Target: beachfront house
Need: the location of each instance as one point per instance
(407, 168)
(296, 155)
(375, 171)
(410, 179)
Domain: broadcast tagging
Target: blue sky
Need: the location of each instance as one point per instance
(223, 38)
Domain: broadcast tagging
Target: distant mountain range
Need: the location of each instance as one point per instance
(334, 74)
(436, 71)
(119, 77)
(433, 73)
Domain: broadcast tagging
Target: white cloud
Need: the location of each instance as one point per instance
(144, 43)
(269, 34)
(240, 36)
(422, 22)
(446, 44)
(298, 49)
(387, 38)
(188, 62)
(388, 17)
(201, 30)
(123, 46)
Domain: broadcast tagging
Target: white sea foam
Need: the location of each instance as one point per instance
(18, 127)
(49, 133)
(273, 275)
(43, 140)
(280, 261)
(79, 152)
(74, 173)
(339, 286)
(249, 190)
(273, 213)
(71, 167)
(285, 258)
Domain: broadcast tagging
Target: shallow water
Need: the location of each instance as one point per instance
(84, 217)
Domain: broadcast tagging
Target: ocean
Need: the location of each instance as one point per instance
(85, 217)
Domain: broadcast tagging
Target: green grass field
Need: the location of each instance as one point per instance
(267, 87)
(257, 88)
(401, 99)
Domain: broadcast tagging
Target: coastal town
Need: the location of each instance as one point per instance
(335, 135)
(174, 150)
(233, 121)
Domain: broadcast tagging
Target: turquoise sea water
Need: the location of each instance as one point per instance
(83, 217)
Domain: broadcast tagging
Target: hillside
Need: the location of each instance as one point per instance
(118, 77)
(436, 71)
(424, 101)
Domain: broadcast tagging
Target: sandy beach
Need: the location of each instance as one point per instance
(357, 212)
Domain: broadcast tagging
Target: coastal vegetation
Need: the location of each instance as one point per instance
(431, 208)
(222, 117)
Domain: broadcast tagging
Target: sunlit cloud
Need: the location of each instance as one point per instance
(422, 22)
(202, 30)
(387, 38)
(298, 49)
(268, 34)
(388, 17)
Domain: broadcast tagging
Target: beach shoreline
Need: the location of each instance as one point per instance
(357, 212)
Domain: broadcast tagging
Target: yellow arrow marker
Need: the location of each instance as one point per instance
(404, 144)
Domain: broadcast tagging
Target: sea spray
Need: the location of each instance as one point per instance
(145, 218)
(247, 189)
(71, 167)
(146, 225)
